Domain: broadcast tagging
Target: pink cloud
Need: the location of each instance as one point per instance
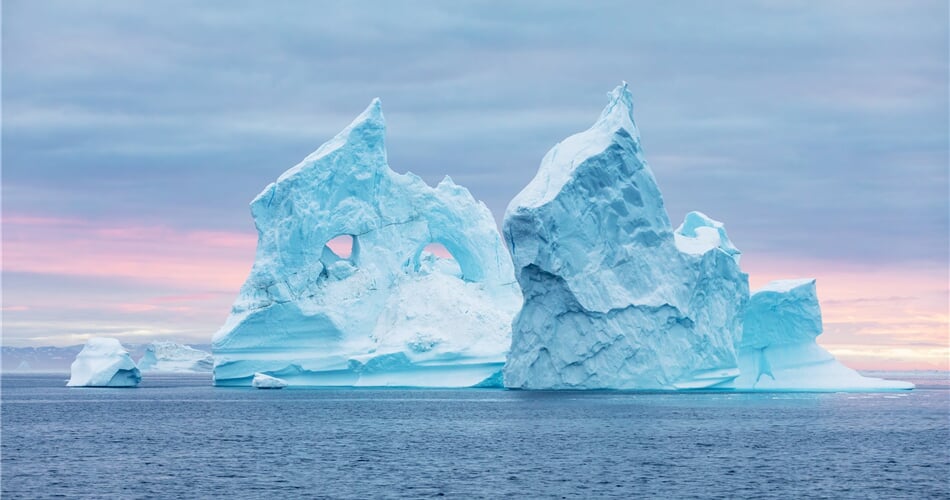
(194, 297)
(147, 254)
(885, 317)
(875, 317)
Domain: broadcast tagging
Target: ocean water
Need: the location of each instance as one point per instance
(178, 437)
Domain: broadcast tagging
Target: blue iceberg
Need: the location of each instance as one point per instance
(366, 277)
(613, 297)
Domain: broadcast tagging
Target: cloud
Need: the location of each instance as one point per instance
(144, 254)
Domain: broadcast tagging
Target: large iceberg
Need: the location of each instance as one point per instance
(103, 362)
(352, 283)
(778, 349)
(613, 298)
(174, 357)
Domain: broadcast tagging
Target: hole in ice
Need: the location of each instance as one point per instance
(438, 250)
(434, 257)
(341, 246)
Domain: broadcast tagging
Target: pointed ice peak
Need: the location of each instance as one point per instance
(619, 111)
(372, 113)
(366, 132)
(559, 163)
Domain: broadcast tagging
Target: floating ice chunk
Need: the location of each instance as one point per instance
(103, 362)
(262, 381)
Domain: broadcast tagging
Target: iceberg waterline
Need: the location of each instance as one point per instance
(610, 296)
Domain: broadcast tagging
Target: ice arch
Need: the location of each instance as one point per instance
(311, 317)
(466, 260)
(344, 246)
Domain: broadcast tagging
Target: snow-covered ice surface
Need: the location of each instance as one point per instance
(174, 357)
(612, 298)
(387, 311)
(778, 349)
(262, 381)
(103, 362)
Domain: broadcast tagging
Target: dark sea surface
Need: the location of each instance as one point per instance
(178, 437)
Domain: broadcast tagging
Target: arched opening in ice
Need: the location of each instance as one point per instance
(435, 257)
(438, 250)
(343, 247)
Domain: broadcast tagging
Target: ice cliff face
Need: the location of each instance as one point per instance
(778, 349)
(172, 357)
(388, 312)
(103, 362)
(613, 298)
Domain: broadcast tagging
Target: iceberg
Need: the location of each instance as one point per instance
(613, 297)
(779, 351)
(103, 362)
(366, 277)
(262, 381)
(173, 357)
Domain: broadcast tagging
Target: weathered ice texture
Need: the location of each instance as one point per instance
(103, 362)
(612, 299)
(778, 349)
(385, 311)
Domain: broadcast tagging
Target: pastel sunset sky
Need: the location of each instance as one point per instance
(134, 135)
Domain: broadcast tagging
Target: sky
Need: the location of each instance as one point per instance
(134, 135)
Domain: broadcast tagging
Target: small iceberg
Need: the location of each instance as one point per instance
(172, 357)
(103, 362)
(262, 381)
